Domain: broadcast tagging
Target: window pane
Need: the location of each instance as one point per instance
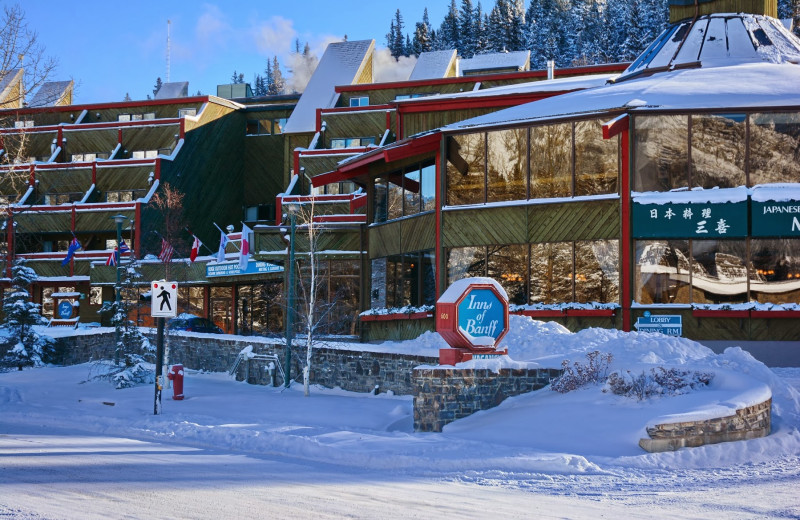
(428, 274)
(774, 148)
(509, 266)
(395, 197)
(344, 296)
(597, 271)
(428, 192)
(596, 160)
(508, 168)
(378, 284)
(411, 190)
(719, 271)
(381, 200)
(395, 282)
(662, 271)
(411, 279)
(465, 169)
(775, 271)
(551, 161)
(551, 272)
(464, 262)
(718, 143)
(661, 145)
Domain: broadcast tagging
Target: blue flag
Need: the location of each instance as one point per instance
(73, 246)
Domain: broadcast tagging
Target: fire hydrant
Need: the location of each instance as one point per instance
(176, 376)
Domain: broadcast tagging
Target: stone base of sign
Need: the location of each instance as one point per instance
(453, 356)
(444, 394)
(748, 423)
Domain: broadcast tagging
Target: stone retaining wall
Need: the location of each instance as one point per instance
(748, 423)
(442, 395)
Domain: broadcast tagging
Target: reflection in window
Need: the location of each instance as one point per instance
(662, 271)
(597, 271)
(465, 262)
(719, 271)
(774, 148)
(775, 270)
(551, 161)
(411, 191)
(507, 165)
(381, 200)
(466, 161)
(661, 147)
(428, 187)
(395, 197)
(401, 280)
(551, 272)
(95, 295)
(509, 265)
(596, 160)
(718, 144)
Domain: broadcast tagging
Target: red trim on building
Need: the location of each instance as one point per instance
(71, 166)
(389, 120)
(397, 316)
(533, 74)
(774, 314)
(94, 173)
(32, 176)
(435, 104)
(122, 104)
(157, 170)
(335, 151)
(348, 219)
(182, 132)
(708, 313)
(137, 224)
(437, 254)
(70, 127)
(365, 108)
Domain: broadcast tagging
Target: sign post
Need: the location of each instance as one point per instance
(163, 304)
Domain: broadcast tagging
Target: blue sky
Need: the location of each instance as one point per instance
(112, 47)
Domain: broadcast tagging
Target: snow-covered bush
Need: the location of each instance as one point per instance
(659, 381)
(593, 370)
(25, 347)
(135, 371)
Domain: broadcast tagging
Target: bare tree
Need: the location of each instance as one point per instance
(168, 202)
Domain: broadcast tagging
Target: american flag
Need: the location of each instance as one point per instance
(166, 251)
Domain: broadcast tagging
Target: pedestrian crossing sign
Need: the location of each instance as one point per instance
(164, 299)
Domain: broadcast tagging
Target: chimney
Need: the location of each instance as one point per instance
(682, 9)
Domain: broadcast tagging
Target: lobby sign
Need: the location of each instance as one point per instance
(671, 325)
(473, 314)
(776, 219)
(690, 220)
(232, 269)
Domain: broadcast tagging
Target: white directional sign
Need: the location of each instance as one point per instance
(164, 299)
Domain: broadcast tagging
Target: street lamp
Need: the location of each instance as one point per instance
(292, 210)
(119, 219)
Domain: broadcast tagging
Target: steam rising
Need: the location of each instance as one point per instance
(388, 70)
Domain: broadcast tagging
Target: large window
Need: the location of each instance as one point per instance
(549, 161)
(774, 148)
(401, 280)
(662, 271)
(545, 273)
(337, 295)
(405, 192)
(661, 146)
(718, 150)
(719, 271)
(775, 270)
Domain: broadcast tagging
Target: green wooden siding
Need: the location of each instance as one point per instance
(355, 124)
(423, 121)
(263, 162)
(384, 240)
(102, 140)
(492, 225)
(595, 220)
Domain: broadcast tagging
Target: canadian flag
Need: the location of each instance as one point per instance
(244, 251)
(195, 248)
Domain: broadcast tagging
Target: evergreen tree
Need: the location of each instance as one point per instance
(278, 83)
(422, 36)
(448, 36)
(259, 86)
(395, 40)
(481, 31)
(516, 26)
(637, 34)
(26, 347)
(237, 78)
(468, 28)
(127, 97)
(157, 86)
(269, 77)
(494, 30)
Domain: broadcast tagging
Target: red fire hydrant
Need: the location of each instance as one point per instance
(176, 376)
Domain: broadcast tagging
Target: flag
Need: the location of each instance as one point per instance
(123, 248)
(166, 251)
(195, 248)
(112, 258)
(223, 241)
(73, 246)
(244, 250)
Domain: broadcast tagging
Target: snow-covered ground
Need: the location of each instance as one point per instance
(73, 448)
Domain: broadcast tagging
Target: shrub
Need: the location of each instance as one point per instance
(660, 381)
(579, 374)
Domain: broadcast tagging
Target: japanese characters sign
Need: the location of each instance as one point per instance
(772, 219)
(690, 220)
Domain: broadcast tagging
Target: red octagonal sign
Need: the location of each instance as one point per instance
(473, 314)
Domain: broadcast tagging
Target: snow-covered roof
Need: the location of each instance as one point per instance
(175, 89)
(51, 93)
(340, 65)
(519, 60)
(718, 40)
(433, 65)
(8, 78)
(748, 85)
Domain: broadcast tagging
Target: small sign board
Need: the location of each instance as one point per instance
(164, 300)
(65, 309)
(233, 269)
(473, 314)
(671, 325)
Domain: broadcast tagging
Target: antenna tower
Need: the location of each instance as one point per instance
(169, 23)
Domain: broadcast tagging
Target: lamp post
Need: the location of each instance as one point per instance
(118, 256)
(292, 210)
